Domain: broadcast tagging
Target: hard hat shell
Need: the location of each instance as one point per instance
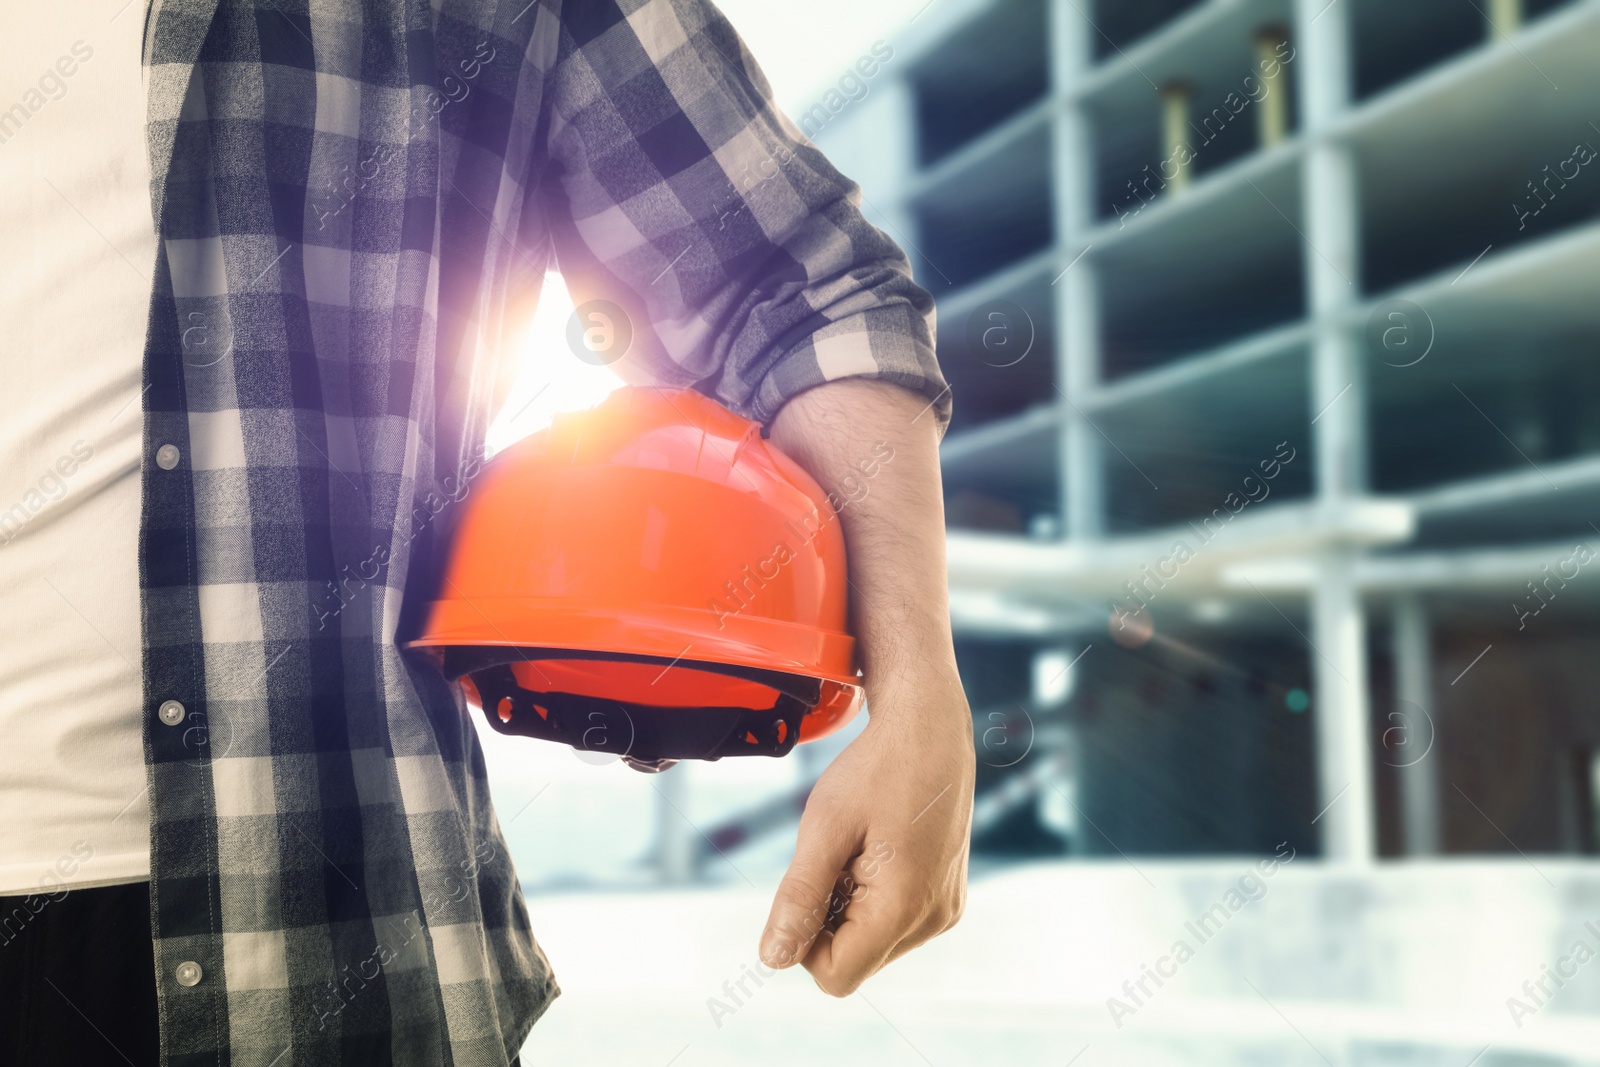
(654, 554)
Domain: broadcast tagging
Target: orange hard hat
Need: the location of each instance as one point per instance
(650, 578)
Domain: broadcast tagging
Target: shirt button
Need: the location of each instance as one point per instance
(171, 712)
(167, 457)
(188, 973)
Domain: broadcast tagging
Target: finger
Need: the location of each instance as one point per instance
(800, 911)
(884, 921)
(871, 921)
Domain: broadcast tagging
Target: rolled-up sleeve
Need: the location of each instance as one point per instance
(677, 191)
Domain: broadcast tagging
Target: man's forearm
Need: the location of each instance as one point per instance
(893, 520)
(903, 788)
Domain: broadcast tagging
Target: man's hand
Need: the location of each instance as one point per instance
(881, 864)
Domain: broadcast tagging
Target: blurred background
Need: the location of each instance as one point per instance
(1274, 496)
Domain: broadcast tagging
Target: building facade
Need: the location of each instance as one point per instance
(1274, 480)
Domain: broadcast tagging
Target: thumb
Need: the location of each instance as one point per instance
(800, 909)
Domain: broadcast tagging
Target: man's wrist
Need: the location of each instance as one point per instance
(920, 685)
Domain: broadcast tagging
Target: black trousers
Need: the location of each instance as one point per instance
(77, 979)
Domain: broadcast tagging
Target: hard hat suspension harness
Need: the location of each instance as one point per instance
(643, 732)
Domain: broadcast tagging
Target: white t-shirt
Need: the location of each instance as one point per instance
(75, 281)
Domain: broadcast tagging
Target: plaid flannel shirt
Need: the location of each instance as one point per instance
(356, 204)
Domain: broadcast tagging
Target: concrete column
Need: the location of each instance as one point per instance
(1071, 46)
(1075, 292)
(1175, 134)
(1417, 760)
(1330, 252)
(1338, 368)
(1272, 113)
(1344, 753)
(1074, 185)
(675, 834)
(1322, 60)
(1505, 18)
(1083, 460)
(1338, 403)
